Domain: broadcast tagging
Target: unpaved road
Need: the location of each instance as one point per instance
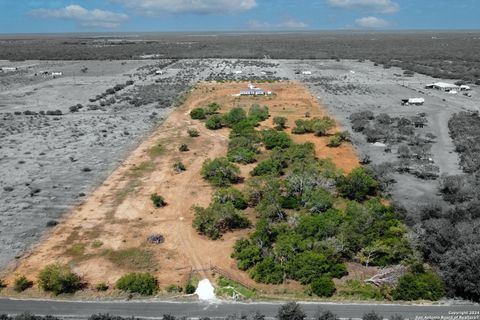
(81, 310)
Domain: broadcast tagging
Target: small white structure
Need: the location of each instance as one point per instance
(413, 101)
(159, 72)
(442, 86)
(238, 72)
(255, 91)
(57, 74)
(465, 88)
(9, 69)
(306, 73)
(453, 91)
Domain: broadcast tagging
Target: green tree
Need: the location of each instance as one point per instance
(273, 138)
(419, 286)
(136, 282)
(58, 278)
(220, 172)
(317, 200)
(231, 195)
(218, 218)
(267, 167)
(357, 185)
(234, 116)
(267, 271)
(323, 287)
(247, 254)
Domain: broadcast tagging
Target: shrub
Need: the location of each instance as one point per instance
(102, 286)
(317, 200)
(357, 185)
(258, 113)
(267, 167)
(323, 287)
(316, 125)
(419, 286)
(273, 138)
(246, 129)
(335, 141)
(267, 271)
(198, 114)
(58, 278)
(193, 133)
(220, 172)
(183, 148)
(231, 195)
(218, 218)
(142, 283)
(371, 316)
(242, 155)
(215, 122)
(2, 284)
(190, 288)
(234, 116)
(158, 201)
(280, 122)
(179, 167)
(21, 284)
(291, 311)
(326, 315)
(212, 108)
(173, 288)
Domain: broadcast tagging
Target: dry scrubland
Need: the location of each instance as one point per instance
(106, 236)
(59, 158)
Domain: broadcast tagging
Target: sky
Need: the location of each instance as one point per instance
(58, 16)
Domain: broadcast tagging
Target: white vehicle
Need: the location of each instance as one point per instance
(413, 101)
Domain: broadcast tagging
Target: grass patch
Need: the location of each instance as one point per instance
(156, 151)
(97, 244)
(132, 258)
(232, 289)
(357, 290)
(77, 250)
(131, 187)
(141, 169)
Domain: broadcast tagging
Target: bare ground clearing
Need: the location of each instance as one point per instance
(95, 238)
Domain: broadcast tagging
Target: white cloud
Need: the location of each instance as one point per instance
(381, 6)
(86, 18)
(160, 7)
(286, 24)
(372, 22)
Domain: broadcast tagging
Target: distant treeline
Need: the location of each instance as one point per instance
(438, 54)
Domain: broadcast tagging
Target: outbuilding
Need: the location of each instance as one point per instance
(444, 86)
(9, 69)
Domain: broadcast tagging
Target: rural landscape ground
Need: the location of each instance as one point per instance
(82, 153)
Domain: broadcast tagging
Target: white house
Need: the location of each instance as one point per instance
(306, 73)
(57, 74)
(465, 88)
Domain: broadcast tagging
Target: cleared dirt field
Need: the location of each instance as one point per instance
(106, 236)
